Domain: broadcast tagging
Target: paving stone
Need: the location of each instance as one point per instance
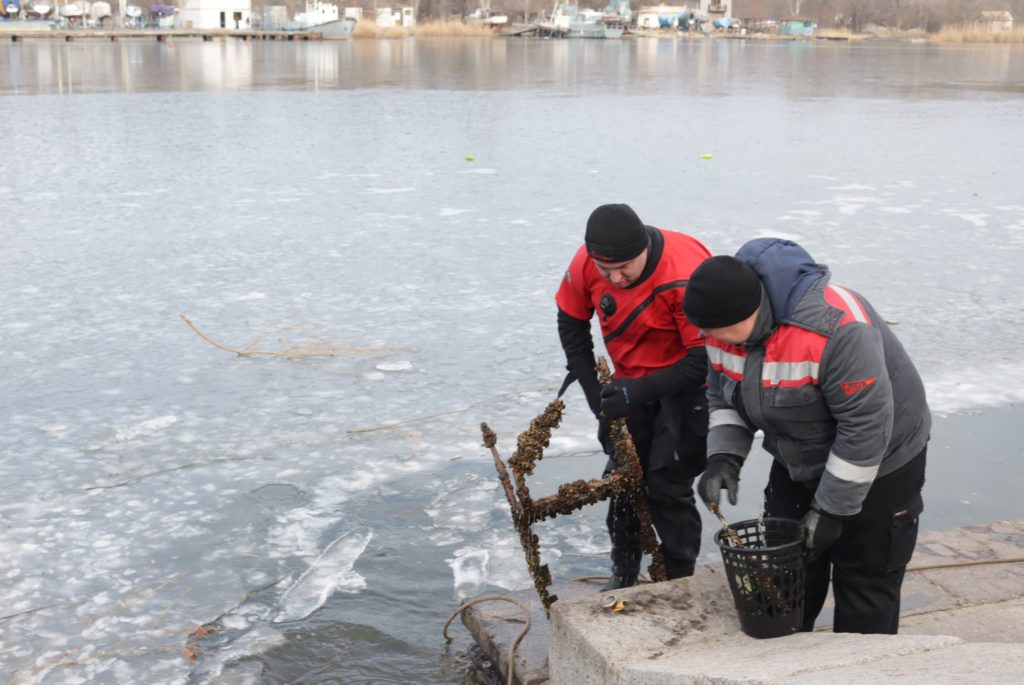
(963, 664)
(920, 595)
(1002, 622)
(742, 659)
(974, 585)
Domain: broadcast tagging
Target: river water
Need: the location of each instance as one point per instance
(409, 206)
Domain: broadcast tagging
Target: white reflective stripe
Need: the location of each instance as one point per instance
(725, 417)
(855, 309)
(789, 371)
(727, 360)
(844, 470)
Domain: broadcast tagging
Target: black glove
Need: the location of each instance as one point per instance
(582, 369)
(821, 530)
(604, 435)
(624, 394)
(723, 471)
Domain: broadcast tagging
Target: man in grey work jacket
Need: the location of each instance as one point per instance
(843, 412)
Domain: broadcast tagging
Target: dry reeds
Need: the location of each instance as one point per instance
(977, 33)
(447, 28)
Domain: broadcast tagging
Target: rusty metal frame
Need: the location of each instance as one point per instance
(626, 481)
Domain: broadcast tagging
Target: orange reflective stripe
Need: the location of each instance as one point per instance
(841, 298)
(729, 363)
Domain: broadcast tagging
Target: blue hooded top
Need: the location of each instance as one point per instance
(786, 270)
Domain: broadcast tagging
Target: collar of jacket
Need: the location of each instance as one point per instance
(764, 325)
(813, 313)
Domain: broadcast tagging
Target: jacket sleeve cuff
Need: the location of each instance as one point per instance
(729, 439)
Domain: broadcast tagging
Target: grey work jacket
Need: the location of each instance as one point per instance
(837, 397)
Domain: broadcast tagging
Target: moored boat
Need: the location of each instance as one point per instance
(39, 10)
(100, 15)
(485, 15)
(72, 11)
(569, 21)
(339, 28)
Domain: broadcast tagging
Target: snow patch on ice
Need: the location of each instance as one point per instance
(394, 366)
(248, 296)
(389, 191)
(148, 427)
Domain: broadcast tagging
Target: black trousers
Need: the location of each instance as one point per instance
(670, 437)
(868, 561)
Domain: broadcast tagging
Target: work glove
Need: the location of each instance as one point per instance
(624, 394)
(723, 471)
(821, 530)
(604, 435)
(582, 370)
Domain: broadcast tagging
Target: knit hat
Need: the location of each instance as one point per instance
(615, 234)
(722, 291)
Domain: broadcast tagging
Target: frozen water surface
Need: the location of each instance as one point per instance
(324, 511)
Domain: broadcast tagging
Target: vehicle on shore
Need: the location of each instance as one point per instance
(133, 17)
(72, 14)
(163, 16)
(38, 11)
(10, 9)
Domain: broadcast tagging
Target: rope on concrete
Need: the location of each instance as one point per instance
(515, 643)
(973, 562)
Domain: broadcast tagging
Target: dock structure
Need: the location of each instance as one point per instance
(962, 622)
(160, 35)
(520, 30)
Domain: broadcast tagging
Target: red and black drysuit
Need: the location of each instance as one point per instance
(647, 337)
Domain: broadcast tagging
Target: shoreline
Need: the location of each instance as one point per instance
(20, 31)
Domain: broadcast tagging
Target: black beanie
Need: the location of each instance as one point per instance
(615, 234)
(722, 291)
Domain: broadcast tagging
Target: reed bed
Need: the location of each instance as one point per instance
(432, 29)
(977, 33)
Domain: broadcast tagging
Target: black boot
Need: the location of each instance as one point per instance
(617, 582)
(625, 567)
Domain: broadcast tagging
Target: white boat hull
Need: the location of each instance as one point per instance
(340, 28)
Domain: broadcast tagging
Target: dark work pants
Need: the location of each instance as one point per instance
(671, 453)
(868, 561)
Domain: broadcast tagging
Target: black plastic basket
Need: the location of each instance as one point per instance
(766, 575)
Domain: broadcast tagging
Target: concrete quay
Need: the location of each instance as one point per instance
(963, 622)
